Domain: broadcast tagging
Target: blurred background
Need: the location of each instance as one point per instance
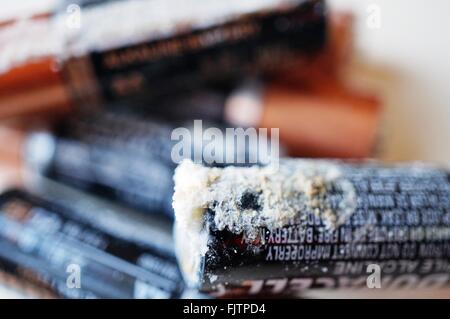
(408, 46)
(90, 91)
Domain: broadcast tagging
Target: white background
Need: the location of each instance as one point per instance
(411, 51)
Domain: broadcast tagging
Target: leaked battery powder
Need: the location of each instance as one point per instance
(246, 200)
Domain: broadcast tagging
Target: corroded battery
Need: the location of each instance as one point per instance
(305, 224)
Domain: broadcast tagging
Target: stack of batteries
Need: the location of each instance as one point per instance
(91, 93)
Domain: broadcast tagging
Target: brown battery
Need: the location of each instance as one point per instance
(321, 119)
(30, 79)
(316, 113)
(13, 135)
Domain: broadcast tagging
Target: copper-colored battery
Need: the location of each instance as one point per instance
(317, 115)
(322, 119)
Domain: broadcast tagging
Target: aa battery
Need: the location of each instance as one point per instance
(303, 224)
(165, 53)
(124, 157)
(114, 156)
(94, 254)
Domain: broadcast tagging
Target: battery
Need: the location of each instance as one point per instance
(207, 103)
(201, 43)
(304, 224)
(118, 157)
(124, 157)
(85, 250)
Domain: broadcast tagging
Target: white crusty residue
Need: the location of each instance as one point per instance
(244, 200)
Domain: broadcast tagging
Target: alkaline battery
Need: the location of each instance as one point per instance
(87, 249)
(128, 158)
(302, 224)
